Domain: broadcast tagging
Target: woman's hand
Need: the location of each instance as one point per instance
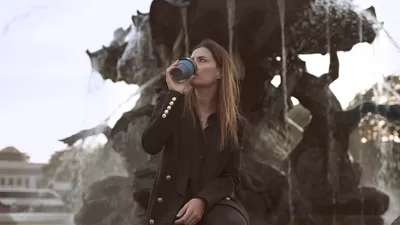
(192, 212)
(173, 85)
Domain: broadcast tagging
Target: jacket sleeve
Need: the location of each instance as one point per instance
(228, 182)
(165, 117)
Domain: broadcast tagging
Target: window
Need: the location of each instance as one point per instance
(27, 182)
(19, 182)
(3, 181)
(11, 181)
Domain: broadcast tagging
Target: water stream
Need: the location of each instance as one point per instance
(333, 156)
(185, 30)
(230, 5)
(282, 9)
(383, 91)
(360, 36)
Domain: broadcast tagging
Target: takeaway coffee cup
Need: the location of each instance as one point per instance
(184, 70)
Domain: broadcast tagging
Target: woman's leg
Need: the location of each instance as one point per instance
(224, 215)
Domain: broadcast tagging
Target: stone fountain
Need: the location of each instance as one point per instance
(290, 175)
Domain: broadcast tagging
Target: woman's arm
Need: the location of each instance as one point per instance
(224, 185)
(228, 182)
(165, 117)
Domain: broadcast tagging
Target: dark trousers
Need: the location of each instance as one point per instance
(220, 214)
(224, 215)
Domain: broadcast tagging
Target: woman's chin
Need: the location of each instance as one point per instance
(194, 82)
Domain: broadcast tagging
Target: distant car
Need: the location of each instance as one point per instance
(20, 200)
(4, 208)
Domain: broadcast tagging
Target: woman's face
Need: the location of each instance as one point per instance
(208, 73)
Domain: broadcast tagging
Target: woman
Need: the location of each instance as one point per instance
(199, 132)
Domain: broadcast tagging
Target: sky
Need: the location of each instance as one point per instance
(48, 90)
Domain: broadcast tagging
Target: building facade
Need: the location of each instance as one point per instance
(16, 170)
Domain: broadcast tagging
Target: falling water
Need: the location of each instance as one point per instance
(332, 163)
(230, 4)
(385, 140)
(88, 167)
(81, 162)
(385, 94)
(185, 29)
(360, 37)
(282, 7)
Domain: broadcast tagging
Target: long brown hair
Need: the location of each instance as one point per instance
(228, 95)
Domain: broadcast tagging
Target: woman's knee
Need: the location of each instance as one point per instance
(224, 215)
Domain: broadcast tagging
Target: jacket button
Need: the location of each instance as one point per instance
(151, 221)
(159, 200)
(227, 198)
(168, 177)
(169, 107)
(163, 115)
(171, 103)
(173, 99)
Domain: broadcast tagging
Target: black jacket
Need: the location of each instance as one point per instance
(172, 132)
